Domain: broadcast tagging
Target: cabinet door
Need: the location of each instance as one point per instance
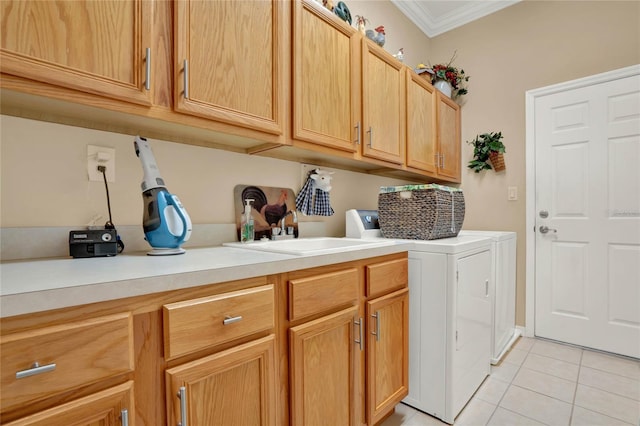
(93, 46)
(326, 90)
(112, 407)
(387, 353)
(233, 387)
(421, 124)
(449, 138)
(229, 62)
(383, 105)
(323, 356)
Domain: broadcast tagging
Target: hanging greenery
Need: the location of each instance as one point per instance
(483, 146)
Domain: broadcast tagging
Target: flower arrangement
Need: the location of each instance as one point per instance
(455, 76)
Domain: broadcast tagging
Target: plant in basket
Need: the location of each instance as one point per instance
(488, 150)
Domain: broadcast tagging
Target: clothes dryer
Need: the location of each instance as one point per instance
(450, 316)
(503, 278)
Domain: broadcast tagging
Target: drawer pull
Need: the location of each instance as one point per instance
(36, 368)
(230, 320)
(182, 394)
(185, 78)
(359, 324)
(147, 71)
(124, 417)
(377, 332)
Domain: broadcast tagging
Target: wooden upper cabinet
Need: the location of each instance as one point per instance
(448, 138)
(421, 124)
(229, 62)
(326, 90)
(98, 47)
(383, 111)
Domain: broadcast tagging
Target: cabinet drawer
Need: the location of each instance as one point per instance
(68, 355)
(320, 293)
(387, 276)
(208, 321)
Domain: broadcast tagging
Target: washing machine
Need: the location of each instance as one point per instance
(450, 316)
(503, 332)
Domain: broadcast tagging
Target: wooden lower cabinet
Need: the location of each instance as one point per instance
(323, 367)
(289, 349)
(111, 407)
(233, 387)
(387, 353)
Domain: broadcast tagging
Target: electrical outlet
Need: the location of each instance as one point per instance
(101, 156)
(512, 193)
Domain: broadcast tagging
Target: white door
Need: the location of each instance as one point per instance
(587, 168)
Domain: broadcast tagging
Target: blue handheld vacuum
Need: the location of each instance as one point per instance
(165, 221)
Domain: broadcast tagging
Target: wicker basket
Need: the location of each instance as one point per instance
(420, 212)
(497, 159)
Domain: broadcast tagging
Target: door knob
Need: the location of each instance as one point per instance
(545, 229)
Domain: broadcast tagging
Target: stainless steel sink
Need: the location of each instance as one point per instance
(307, 246)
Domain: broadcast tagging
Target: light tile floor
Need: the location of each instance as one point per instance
(546, 383)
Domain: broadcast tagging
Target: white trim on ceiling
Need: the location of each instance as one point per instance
(457, 13)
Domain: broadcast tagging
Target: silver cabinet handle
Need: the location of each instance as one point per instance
(358, 133)
(437, 160)
(545, 229)
(442, 158)
(124, 417)
(182, 394)
(185, 76)
(36, 368)
(370, 131)
(230, 320)
(359, 340)
(377, 332)
(147, 82)
(486, 288)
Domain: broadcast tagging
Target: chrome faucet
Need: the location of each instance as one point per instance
(283, 224)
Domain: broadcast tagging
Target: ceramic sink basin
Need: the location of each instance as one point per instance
(307, 246)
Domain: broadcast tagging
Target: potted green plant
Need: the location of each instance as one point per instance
(488, 150)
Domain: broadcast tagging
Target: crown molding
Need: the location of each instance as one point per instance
(458, 13)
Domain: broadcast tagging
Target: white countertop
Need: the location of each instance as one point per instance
(44, 284)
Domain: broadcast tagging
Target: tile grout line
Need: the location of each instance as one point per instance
(528, 351)
(575, 389)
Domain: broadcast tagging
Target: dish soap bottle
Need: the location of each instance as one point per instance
(247, 233)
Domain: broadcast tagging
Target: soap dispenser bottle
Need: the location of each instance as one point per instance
(247, 233)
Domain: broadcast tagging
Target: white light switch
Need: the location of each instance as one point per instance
(101, 156)
(512, 192)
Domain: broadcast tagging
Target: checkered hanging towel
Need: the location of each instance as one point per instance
(304, 199)
(312, 201)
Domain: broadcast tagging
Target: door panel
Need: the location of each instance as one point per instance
(93, 46)
(323, 370)
(587, 177)
(383, 105)
(233, 72)
(326, 106)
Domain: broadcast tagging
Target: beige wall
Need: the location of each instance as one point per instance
(44, 179)
(526, 46)
(529, 45)
(400, 31)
